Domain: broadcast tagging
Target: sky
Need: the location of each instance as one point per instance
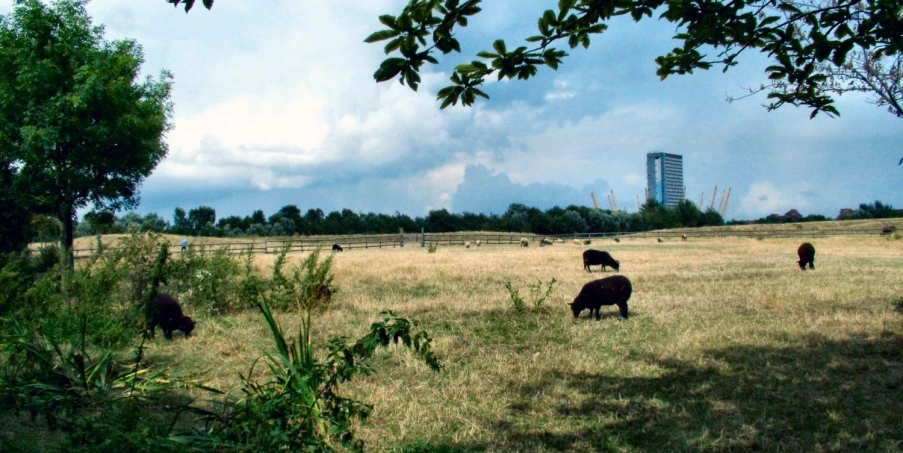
(275, 104)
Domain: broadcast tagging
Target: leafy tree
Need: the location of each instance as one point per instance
(180, 222)
(76, 128)
(657, 216)
(258, 217)
(876, 210)
(711, 217)
(442, 221)
(201, 216)
(102, 222)
(864, 71)
(688, 214)
(802, 38)
(14, 214)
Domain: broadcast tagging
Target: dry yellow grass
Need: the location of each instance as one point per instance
(730, 346)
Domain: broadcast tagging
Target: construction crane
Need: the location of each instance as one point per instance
(595, 203)
(613, 202)
(725, 200)
(714, 196)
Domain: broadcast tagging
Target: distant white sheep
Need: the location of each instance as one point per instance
(683, 237)
(524, 242)
(660, 239)
(545, 241)
(577, 242)
(467, 245)
(479, 242)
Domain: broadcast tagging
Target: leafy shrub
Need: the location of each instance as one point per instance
(536, 292)
(309, 287)
(48, 256)
(298, 407)
(16, 276)
(250, 285)
(79, 392)
(207, 280)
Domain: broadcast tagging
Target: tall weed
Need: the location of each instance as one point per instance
(538, 295)
(307, 287)
(298, 406)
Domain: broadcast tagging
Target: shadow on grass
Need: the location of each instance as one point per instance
(810, 394)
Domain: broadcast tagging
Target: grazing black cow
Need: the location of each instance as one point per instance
(337, 248)
(168, 314)
(806, 253)
(593, 257)
(614, 290)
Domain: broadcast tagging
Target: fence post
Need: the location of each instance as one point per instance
(422, 237)
(401, 234)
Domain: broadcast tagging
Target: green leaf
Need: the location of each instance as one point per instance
(387, 20)
(393, 45)
(389, 69)
(380, 36)
(499, 46)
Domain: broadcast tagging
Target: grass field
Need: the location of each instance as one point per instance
(730, 347)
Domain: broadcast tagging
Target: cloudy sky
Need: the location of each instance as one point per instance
(275, 104)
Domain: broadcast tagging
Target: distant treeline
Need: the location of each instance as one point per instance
(290, 220)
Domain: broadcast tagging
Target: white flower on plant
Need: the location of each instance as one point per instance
(202, 275)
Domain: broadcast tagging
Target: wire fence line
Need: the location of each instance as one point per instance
(357, 242)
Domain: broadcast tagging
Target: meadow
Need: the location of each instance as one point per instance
(729, 347)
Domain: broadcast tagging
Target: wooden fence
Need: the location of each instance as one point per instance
(296, 244)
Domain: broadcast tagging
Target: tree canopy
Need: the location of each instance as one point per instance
(76, 127)
(805, 39)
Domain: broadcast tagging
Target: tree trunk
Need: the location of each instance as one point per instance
(67, 218)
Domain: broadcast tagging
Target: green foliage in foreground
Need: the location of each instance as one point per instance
(58, 364)
(298, 407)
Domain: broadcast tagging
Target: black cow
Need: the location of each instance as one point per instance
(168, 314)
(806, 253)
(614, 290)
(593, 257)
(337, 248)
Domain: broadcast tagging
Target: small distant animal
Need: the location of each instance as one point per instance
(479, 242)
(545, 241)
(889, 230)
(337, 248)
(168, 314)
(660, 239)
(683, 237)
(806, 252)
(467, 245)
(614, 290)
(587, 242)
(577, 242)
(559, 240)
(618, 240)
(593, 257)
(524, 242)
